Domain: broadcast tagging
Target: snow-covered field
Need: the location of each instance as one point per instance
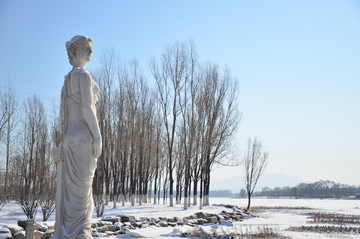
(277, 218)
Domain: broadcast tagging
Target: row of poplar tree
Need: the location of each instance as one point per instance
(161, 135)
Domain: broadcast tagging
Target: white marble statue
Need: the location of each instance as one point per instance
(77, 155)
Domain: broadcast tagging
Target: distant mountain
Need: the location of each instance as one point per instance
(267, 180)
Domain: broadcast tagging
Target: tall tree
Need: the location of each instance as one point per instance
(220, 120)
(170, 77)
(9, 119)
(29, 157)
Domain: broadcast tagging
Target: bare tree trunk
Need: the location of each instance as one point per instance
(249, 200)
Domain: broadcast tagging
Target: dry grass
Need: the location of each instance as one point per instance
(263, 208)
(333, 218)
(260, 232)
(326, 229)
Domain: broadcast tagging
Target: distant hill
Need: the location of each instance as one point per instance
(266, 180)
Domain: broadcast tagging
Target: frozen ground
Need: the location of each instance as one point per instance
(281, 219)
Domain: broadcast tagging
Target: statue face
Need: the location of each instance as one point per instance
(83, 53)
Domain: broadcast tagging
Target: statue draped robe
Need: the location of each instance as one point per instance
(79, 164)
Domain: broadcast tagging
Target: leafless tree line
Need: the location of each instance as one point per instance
(167, 136)
(29, 175)
(158, 139)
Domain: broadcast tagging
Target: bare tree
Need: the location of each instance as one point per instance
(47, 168)
(29, 157)
(220, 120)
(170, 80)
(255, 162)
(9, 119)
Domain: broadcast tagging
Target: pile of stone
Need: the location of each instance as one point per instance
(41, 231)
(115, 225)
(121, 224)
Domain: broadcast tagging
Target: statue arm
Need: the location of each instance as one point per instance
(89, 112)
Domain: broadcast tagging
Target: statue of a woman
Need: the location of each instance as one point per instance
(81, 145)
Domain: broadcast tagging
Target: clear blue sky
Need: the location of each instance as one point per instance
(297, 63)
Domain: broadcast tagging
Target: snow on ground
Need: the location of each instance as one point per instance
(280, 219)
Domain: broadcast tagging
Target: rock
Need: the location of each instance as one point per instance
(235, 217)
(118, 225)
(212, 219)
(163, 219)
(219, 217)
(170, 220)
(4, 230)
(137, 224)
(200, 215)
(145, 219)
(201, 221)
(111, 228)
(180, 223)
(19, 235)
(210, 215)
(49, 233)
(177, 219)
(193, 221)
(156, 220)
(22, 223)
(163, 224)
(173, 224)
(14, 229)
(94, 225)
(39, 235)
(105, 223)
(128, 227)
(144, 225)
(125, 218)
(111, 219)
(5, 233)
(193, 217)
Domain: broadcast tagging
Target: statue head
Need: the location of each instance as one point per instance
(73, 45)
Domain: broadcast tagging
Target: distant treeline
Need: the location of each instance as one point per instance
(322, 189)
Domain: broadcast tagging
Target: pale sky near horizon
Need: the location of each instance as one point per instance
(297, 63)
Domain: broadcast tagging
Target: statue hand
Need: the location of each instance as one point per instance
(97, 146)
